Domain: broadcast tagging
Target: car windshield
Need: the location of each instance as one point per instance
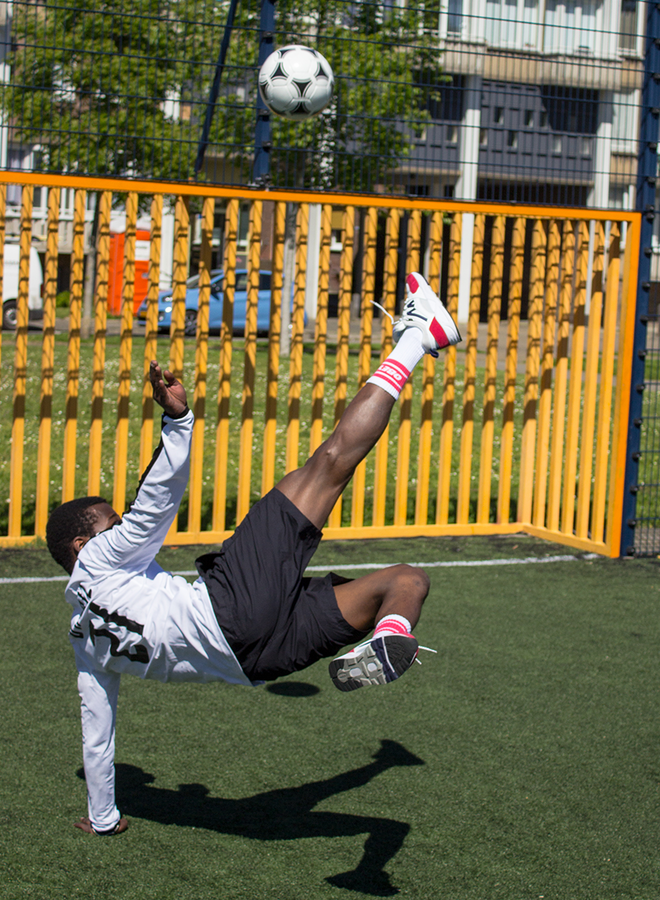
(193, 281)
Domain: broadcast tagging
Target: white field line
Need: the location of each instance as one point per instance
(452, 564)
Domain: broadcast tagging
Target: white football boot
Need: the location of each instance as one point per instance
(425, 311)
(378, 660)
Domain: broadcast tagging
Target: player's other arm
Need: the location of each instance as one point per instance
(140, 534)
(98, 706)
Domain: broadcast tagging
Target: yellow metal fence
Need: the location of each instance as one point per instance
(520, 428)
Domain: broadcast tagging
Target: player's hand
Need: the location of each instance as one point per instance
(85, 825)
(168, 391)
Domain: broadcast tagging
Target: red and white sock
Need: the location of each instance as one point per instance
(393, 624)
(392, 374)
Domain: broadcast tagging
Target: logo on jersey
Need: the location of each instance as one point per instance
(132, 649)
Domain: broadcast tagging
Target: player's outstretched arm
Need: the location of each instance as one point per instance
(85, 825)
(168, 391)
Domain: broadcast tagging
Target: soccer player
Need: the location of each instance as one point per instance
(251, 616)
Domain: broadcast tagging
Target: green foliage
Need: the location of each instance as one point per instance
(109, 89)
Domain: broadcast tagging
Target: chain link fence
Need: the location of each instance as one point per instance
(496, 99)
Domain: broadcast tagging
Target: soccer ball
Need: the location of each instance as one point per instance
(296, 82)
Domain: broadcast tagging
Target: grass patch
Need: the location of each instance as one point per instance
(521, 762)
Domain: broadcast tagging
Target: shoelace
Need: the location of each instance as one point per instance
(389, 315)
(430, 650)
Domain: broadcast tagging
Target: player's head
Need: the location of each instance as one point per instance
(72, 524)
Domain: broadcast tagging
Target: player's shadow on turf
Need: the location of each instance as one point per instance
(286, 814)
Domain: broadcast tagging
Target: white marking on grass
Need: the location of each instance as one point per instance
(451, 564)
(459, 563)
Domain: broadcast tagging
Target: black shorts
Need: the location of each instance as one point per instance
(275, 621)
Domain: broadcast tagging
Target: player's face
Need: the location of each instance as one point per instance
(106, 517)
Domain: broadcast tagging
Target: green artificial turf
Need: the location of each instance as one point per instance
(522, 762)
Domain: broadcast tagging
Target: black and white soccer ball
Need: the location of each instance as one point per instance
(296, 82)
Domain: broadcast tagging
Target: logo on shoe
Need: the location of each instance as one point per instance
(413, 284)
(439, 334)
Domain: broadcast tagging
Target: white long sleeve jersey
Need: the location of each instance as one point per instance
(129, 615)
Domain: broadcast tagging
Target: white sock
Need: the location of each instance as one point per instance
(393, 373)
(393, 624)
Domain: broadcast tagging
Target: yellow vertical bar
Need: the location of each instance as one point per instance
(47, 364)
(510, 369)
(534, 325)
(20, 366)
(73, 354)
(547, 364)
(490, 379)
(250, 362)
(405, 399)
(388, 303)
(449, 378)
(3, 209)
(125, 354)
(343, 326)
(201, 366)
(590, 387)
(224, 375)
(561, 376)
(270, 425)
(575, 382)
(606, 387)
(321, 331)
(98, 362)
(297, 326)
(623, 378)
(467, 431)
(428, 375)
(364, 360)
(151, 330)
(179, 278)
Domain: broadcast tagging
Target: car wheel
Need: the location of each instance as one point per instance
(191, 322)
(9, 315)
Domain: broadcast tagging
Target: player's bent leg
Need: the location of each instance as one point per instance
(392, 600)
(399, 589)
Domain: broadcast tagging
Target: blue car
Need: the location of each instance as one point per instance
(215, 303)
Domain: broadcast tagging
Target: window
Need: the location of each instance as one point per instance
(452, 134)
(446, 100)
(586, 146)
(629, 27)
(455, 16)
(543, 119)
(625, 121)
(573, 26)
(483, 137)
(512, 23)
(529, 118)
(556, 143)
(512, 140)
(498, 115)
(264, 281)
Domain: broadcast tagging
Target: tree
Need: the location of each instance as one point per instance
(109, 88)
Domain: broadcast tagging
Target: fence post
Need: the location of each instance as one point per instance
(262, 141)
(646, 178)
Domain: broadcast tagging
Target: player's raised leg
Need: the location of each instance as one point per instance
(424, 327)
(392, 598)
